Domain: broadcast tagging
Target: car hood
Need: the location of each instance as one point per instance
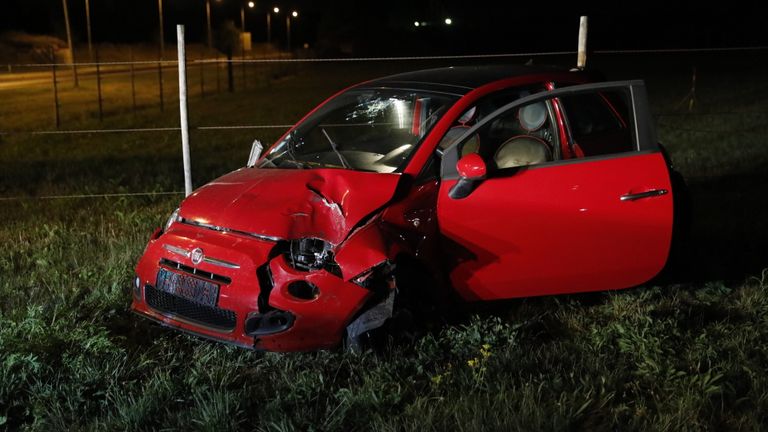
(290, 203)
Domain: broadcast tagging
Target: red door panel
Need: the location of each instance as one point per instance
(559, 228)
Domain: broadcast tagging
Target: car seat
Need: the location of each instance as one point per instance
(473, 144)
(527, 148)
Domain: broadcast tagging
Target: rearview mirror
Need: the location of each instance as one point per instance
(472, 172)
(256, 149)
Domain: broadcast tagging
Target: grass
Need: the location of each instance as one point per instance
(685, 353)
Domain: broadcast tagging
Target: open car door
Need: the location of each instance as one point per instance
(579, 201)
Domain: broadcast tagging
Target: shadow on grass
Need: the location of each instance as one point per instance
(729, 229)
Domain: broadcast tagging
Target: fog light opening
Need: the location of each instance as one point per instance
(278, 321)
(272, 322)
(303, 290)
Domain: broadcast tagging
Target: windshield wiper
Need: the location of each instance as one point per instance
(344, 162)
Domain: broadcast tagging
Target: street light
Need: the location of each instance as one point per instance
(251, 5)
(276, 10)
(88, 23)
(293, 14)
(162, 33)
(208, 22)
(69, 42)
(448, 21)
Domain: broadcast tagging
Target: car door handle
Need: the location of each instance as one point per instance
(641, 195)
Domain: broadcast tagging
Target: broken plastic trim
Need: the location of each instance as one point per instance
(373, 318)
(377, 278)
(266, 283)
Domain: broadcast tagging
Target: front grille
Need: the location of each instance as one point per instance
(213, 277)
(162, 301)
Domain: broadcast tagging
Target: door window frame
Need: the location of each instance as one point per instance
(640, 123)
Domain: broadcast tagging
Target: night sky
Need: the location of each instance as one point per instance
(371, 28)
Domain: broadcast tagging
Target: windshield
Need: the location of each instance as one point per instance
(365, 129)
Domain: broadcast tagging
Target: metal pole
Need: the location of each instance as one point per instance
(183, 111)
(208, 19)
(242, 58)
(55, 91)
(288, 27)
(98, 88)
(69, 42)
(218, 74)
(269, 28)
(202, 74)
(242, 18)
(162, 29)
(160, 81)
(581, 60)
(133, 82)
(88, 23)
(230, 74)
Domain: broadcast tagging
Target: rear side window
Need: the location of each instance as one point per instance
(599, 123)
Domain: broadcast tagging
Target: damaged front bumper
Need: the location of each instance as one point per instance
(246, 291)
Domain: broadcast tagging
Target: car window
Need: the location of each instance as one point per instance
(368, 130)
(598, 123)
(480, 110)
(523, 136)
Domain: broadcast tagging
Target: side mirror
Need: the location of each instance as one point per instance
(256, 149)
(472, 172)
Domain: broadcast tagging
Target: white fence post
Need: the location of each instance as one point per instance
(581, 60)
(183, 111)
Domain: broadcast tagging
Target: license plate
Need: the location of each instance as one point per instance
(191, 288)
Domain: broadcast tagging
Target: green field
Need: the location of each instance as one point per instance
(686, 352)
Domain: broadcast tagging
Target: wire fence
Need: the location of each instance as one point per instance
(147, 81)
(119, 96)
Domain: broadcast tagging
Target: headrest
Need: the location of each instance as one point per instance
(532, 117)
(468, 115)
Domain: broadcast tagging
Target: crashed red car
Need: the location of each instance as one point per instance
(492, 182)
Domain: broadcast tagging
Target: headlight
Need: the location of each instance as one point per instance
(172, 220)
(137, 287)
(311, 254)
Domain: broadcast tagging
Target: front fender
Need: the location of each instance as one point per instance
(364, 249)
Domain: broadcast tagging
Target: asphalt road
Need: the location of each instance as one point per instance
(21, 80)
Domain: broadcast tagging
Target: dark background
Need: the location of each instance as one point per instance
(356, 27)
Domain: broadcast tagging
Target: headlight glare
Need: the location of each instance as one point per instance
(172, 220)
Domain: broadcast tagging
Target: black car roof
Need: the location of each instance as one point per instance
(460, 80)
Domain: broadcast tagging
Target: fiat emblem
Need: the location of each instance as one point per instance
(197, 256)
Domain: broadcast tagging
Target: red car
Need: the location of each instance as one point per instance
(494, 182)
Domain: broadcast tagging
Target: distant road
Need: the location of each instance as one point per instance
(20, 80)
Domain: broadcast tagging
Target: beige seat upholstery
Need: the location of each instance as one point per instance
(522, 150)
(463, 124)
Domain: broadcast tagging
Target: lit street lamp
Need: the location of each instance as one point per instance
(251, 5)
(293, 14)
(276, 10)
